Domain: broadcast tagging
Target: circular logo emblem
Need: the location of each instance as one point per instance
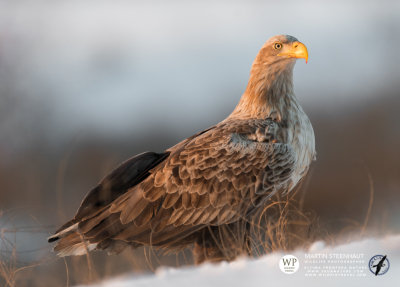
(289, 264)
(379, 264)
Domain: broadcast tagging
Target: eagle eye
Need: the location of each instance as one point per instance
(277, 46)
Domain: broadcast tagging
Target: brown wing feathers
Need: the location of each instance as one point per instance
(120, 180)
(211, 179)
(128, 174)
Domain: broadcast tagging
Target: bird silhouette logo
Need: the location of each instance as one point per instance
(379, 264)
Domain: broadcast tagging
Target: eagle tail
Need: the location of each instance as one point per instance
(121, 179)
(71, 242)
(62, 232)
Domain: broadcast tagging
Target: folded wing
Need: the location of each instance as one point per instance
(213, 178)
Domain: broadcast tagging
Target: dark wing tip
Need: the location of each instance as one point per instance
(52, 239)
(119, 181)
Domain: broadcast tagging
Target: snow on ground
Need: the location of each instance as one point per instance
(265, 271)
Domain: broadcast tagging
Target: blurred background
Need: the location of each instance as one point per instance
(85, 85)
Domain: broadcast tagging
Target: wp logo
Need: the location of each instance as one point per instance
(289, 264)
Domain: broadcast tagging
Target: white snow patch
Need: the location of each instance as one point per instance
(265, 270)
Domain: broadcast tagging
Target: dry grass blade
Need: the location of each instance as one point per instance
(370, 204)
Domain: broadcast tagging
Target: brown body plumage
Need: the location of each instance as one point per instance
(214, 179)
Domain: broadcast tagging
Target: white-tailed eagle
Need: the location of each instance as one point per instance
(215, 178)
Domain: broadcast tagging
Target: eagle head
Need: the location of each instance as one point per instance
(283, 47)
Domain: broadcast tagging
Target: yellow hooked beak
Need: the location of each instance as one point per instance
(298, 50)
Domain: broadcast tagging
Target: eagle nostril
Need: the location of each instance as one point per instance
(295, 45)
